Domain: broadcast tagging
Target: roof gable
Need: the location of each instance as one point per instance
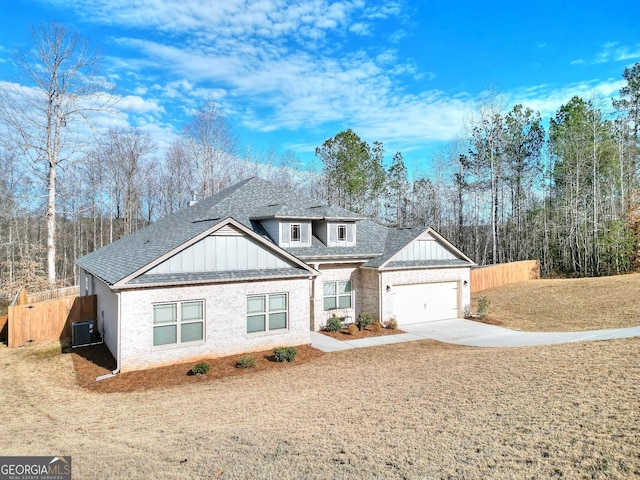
(416, 247)
(228, 248)
(268, 256)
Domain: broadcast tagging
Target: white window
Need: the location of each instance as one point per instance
(337, 295)
(178, 322)
(342, 233)
(267, 313)
(295, 232)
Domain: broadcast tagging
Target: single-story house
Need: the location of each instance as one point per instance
(257, 266)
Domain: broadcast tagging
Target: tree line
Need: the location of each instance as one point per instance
(510, 187)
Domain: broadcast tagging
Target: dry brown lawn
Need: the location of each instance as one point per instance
(417, 410)
(565, 304)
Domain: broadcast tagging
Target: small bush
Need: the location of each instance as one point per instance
(200, 369)
(377, 326)
(334, 324)
(285, 354)
(366, 319)
(353, 329)
(246, 361)
(392, 324)
(483, 306)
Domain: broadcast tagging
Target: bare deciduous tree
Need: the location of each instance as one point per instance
(125, 153)
(211, 143)
(59, 89)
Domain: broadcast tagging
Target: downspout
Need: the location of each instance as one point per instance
(380, 291)
(117, 370)
(312, 298)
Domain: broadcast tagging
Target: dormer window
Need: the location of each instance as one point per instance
(296, 232)
(342, 233)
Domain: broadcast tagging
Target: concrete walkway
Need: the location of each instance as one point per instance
(470, 333)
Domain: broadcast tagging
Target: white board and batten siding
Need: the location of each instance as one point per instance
(227, 249)
(424, 248)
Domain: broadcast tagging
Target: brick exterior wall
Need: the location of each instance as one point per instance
(369, 296)
(225, 322)
(370, 291)
(335, 272)
(225, 311)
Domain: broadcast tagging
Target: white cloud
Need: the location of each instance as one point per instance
(138, 105)
(548, 99)
(360, 29)
(229, 18)
(275, 65)
(614, 52)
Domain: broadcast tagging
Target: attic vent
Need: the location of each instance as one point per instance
(229, 231)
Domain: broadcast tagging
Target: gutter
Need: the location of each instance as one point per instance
(117, 370)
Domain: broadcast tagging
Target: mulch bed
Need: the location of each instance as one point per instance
(365, 333)
(91, 362)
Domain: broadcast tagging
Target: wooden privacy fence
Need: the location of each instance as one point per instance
(53, 294)
(50, 320)
(3, 328)
(492, 276)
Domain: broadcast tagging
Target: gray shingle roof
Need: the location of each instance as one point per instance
(370, 243)
(426, 263)
(245, 202)
(395, 240)
(236, 275)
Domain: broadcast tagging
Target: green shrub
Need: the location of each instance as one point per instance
(334, 324)
(200, 369)
(246, 361)
(483, 306)
(285, 354)
(353, 329)
(392, 324)
(366, 319)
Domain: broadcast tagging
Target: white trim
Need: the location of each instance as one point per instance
(266, 312)
(337, 295)
(179, 323)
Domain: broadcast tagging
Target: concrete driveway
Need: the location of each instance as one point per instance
(470, 333)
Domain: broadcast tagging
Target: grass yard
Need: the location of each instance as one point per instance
(417, 410)
(565, 304)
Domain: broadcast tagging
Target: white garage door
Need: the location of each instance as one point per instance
(425, 302)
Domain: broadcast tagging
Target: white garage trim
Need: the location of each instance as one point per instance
(426, 302)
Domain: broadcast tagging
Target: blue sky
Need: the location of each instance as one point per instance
(292, 74)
